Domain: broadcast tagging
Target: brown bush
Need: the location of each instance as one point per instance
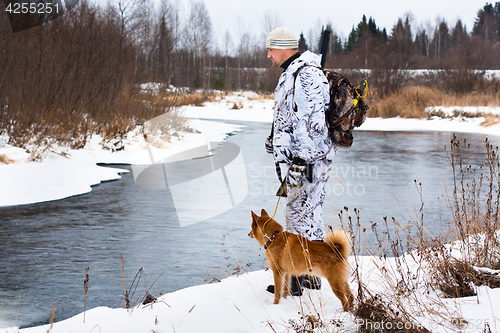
(411, 101)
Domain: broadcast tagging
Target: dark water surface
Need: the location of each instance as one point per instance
(45, 248)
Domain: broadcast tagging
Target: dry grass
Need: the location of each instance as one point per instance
(454, 264)
(475, 202)
(5, 160)
(262, 97)
(411, 101)
(38, 131)
(490, 119)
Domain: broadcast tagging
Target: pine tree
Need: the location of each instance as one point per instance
(352, 41)
(302, 43)
(458, 35)
(487, 23)
(320, 41)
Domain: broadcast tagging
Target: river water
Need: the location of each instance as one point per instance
(46, 247)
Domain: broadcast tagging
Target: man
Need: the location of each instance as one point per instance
(299, 137)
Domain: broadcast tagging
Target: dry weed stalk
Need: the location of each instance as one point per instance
(86, 289)
(393, 310)
(52, 317)
(146, 299)
(239, 269)
(476, 201)
(475, 237)
(413, 264)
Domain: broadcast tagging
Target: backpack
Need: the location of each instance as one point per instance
(347, 108)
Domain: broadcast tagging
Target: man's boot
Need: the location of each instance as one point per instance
(311, 282)
(295, 286)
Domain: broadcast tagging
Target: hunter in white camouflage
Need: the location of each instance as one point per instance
(300, 134)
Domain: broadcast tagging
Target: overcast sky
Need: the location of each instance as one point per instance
(303, 15)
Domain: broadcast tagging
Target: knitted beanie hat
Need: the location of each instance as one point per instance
(282, 38)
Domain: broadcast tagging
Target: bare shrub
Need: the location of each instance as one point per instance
(460, 81)
(476, 243)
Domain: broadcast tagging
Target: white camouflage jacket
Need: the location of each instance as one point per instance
(299, 128)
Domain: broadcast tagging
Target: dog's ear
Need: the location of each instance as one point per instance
(255, 218)
(264, 213)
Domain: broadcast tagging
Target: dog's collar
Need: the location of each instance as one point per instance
(273, 237)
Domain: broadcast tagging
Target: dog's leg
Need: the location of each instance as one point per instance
(286, 288)
(278, 284)
(349, 295)
(339, 289)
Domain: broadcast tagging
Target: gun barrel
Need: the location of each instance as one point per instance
(324, 46)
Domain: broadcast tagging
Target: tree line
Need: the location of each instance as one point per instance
(429, 47)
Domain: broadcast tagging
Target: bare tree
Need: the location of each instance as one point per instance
(165, 46)
(228, 43)
(270, 21)
(198, 38)
(243, 47)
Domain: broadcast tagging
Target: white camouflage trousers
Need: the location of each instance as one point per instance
(305, 202)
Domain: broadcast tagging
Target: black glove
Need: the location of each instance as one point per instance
(269, 145)
(295, 175)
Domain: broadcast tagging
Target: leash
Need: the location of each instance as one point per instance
(283, 187)
(271, 239)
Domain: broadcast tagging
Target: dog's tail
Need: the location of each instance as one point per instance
(338, 241)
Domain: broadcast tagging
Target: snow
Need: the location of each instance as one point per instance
(241, 304)
(238, 303)
(464, 110)
(454, 125)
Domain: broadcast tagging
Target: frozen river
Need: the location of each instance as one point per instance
(45, 248)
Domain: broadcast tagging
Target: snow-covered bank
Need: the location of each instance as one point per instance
(74, 172)
(241, 304)
(237, 304)
(454, 125)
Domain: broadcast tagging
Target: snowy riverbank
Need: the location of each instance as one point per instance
(64, 173)
(237, 304)
(241, 304)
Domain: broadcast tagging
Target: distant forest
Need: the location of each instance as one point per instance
(87, 66)
(131, 41)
